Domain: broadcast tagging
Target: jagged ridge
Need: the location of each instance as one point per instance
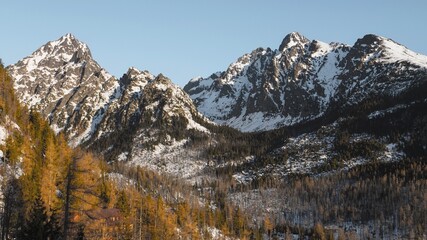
(300, 81)
(64, 82)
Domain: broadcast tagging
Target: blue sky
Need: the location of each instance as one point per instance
(187, 38)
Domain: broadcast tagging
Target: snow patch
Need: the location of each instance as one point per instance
(122, 156)
(171, 158)
(381, 113)
(396, 52)
(217, 234)
(3, 135)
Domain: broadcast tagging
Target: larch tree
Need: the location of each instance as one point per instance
(50, 177)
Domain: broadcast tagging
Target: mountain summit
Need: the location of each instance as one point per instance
(348, 121)
(64, 82)
(80, 98)
(302, 80)
(293, 39)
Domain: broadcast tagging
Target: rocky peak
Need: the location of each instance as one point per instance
(162, 88)
(368, 44)
(369, 39)
(135, 73)
(265, 89)
(132, 71)
(135, 77)
(154, 112)
(69, 40)
(69, 87)
(161, 79)
(293, 39)
(83, 100)
(67, 48)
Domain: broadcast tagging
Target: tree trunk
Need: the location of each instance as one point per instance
(67, 198)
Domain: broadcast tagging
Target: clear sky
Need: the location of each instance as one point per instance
(187, 38)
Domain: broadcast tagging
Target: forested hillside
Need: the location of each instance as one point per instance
(334, 145)
(50, 191)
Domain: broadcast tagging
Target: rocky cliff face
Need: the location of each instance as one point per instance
(376, 66)
(149, 121)
(300, 81)
(64, 82)
(375, 92)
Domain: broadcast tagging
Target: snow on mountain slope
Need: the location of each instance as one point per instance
(80, 98)
(163, 120)
(268, 89)
(395, 52)
(308, 152)
(377, 66)
(144, 96)
(3, 136)
(147, 120)
(7, 126)
(124, 109)
(62, 80)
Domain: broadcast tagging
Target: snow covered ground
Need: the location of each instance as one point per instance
(3, 135)
(171, 158)
(309, 151)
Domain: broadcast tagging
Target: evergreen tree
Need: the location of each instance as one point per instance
(39, 226)
(123, 203)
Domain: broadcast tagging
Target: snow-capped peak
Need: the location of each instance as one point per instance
(67, 44)
(63, 80)
(133, 74)
(394, 52)
(69, 36)
(293, 39)
(196, 79)
(65, 49)
(381, 49)
(268, 89)
(133, 70)
(70, 39)
(83, 100)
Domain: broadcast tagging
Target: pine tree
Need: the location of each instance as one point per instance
(39, 226)
(12, 209)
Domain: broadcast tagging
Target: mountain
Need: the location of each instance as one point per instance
(93, 108)
(64, 82)
(148, 121)
(51, 191)
(149, 125)
(331, 132)
(304, 80)
(327, 125)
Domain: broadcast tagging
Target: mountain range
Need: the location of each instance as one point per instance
(308, 108)
(303, 80)
(139, 116)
